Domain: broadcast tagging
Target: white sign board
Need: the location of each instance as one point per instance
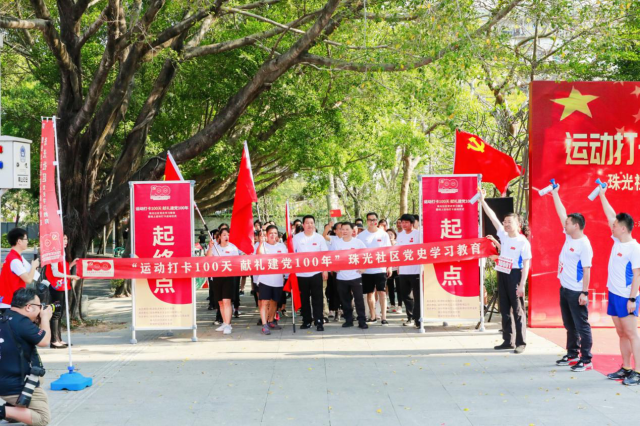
(15, 162)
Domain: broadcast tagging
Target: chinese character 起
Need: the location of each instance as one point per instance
(163, 236)
(450, 228)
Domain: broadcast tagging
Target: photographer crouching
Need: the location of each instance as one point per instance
(22, 328)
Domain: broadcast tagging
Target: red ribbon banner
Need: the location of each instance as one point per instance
(185, 267)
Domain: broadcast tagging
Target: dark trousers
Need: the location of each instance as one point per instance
(410, 288)
(350, 290)
(212, 296)
(575, 318)
(512, 308)
(56, 296)
(392, 285)
(214, 292)
(332, 293)
(311, 295)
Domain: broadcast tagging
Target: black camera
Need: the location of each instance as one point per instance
(30, 383)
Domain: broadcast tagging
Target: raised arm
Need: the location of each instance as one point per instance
(608, 210)
(562, 212)
(492, 216)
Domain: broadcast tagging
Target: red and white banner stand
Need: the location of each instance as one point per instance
(162, 227)
(451, 291)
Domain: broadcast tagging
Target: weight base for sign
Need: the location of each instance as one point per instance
(133, 341)
(194, 339)
(71, 381)
(445, 324)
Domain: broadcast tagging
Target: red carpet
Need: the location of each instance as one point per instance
(606, 351)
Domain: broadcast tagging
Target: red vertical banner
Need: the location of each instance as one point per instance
(51, 249)
(580, 132)
(451, 290)
(162, 222)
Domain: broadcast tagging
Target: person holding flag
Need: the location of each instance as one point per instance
(310, 282)
(270, 286)
(513, 268)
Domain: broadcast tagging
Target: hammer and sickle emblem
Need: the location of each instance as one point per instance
(475, 145)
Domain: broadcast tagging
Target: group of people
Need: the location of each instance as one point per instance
(324, 294)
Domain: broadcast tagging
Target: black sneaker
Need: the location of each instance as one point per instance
(417, 324)
(372, 320)
(363, 325)
(582, 366)
(384, 322)
(504, 345)
(236, 314)
(567, 360)
(347, 324)
(305, 326)
(320, 327)
(407, 323)
(325, 320)
(633, 379)
(259, 322)
(621, 374)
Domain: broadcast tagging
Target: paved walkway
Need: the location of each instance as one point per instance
(382, 376)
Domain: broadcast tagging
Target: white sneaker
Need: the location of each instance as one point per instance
(222, 327)
(227, 330)
(399, 311)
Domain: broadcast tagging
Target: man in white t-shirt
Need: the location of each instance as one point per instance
(310, 283)
(622, 282)
(270, 286)
(409, 276)
(374, 280)
(513, 268)
(574, 273)
(16, 271)
(349, 282)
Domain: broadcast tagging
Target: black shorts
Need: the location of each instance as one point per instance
(266, 292)
(373, 282)
(223, 288)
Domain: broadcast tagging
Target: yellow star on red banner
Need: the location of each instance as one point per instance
(575, 102)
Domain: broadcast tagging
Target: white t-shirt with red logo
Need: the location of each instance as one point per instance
(405, 239)
(272, 280)
(625, 257)
(517, 249)
(229, 250)
(304, 244)
(576, 254)
(376, 239)
(352, 244)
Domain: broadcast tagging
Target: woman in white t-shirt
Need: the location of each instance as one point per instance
(223, 286)
(270, 286)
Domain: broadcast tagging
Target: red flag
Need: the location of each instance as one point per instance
(241, 229)
(171, 170)
(292, 283)
(474, 155)
(335, 213)
(51, 241)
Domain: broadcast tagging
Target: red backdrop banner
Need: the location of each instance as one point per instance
(182, 267)
(51, 250)
(580, 131)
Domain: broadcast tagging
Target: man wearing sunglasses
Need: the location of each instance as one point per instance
(23, 327)
(16, 271)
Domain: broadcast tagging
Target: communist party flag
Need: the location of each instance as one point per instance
(241, 229)
(474, 155)
(292, 283)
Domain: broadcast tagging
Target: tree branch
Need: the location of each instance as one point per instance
(11, 22)
(92, 29)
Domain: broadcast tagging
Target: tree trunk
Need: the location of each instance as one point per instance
(332, 202)
(409, 164)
